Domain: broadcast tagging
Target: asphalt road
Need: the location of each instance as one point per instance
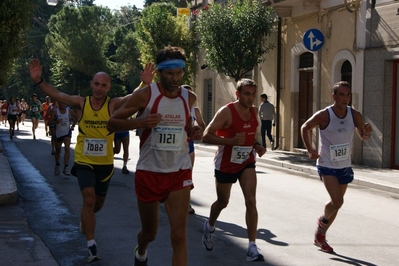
(366, 231)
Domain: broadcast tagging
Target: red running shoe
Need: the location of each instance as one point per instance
(324, 246)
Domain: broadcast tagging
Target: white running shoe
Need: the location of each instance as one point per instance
(66, 171)
(253, 254)
(208, 238)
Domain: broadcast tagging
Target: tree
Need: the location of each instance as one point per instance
(160, 27)
(124, 52)
(80, 37)
(18, 82)
(15, 19)
(234, 36)
(78, 41)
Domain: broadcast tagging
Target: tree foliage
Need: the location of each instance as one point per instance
(160, 27)
(15, 19)
(126, 55)
(234, 36)
(78, 40)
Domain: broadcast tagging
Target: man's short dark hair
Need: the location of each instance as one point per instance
(170, 52)
(264, 96)
(341, 84)
(245, 82)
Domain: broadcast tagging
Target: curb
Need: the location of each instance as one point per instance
(8, 188)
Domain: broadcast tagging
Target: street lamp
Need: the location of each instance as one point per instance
(52, 2)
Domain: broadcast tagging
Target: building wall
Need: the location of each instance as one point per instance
(368, 39)
(224, 86)
(338, 28)
(382, 47)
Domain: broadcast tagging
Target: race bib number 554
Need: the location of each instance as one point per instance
(240, 154)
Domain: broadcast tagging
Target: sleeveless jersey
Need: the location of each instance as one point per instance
(232, 159)
(35, 107)
(164, 149)
(12, 109)
(64, 127)
(4, 109)
(45, 107)
(336, 140)
(94, 142)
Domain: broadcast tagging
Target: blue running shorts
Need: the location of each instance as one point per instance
(344, 175)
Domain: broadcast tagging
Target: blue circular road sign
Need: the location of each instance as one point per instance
(313, 39)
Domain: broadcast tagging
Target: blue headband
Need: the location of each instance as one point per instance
(173, 63)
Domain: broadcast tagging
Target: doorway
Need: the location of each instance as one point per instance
(305, 98)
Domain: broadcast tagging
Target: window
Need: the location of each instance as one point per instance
(306, 60)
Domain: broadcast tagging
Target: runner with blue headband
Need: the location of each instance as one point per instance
(170, 64)
(164, 125)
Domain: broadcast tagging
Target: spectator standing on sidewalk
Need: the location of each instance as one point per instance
(266, 115)
(234, 129)
(35, 110)
(94, 156)
(163, 172)
(337, 124)
(64, 120)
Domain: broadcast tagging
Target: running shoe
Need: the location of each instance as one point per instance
(324, 246)
(320, 234)
(52, 152)
(253, 254)
(66, 171)
(34, 137)
(208, 238)
(57, 170)
(93, 255)
(124, 170)
(137, 262)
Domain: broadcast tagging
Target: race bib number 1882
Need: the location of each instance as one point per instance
(95, 147)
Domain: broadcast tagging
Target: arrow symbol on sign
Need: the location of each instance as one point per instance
(313, 41)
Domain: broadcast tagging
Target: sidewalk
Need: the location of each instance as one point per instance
(19, 244)
(299, 163)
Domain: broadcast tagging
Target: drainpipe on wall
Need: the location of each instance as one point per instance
(278, 87)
